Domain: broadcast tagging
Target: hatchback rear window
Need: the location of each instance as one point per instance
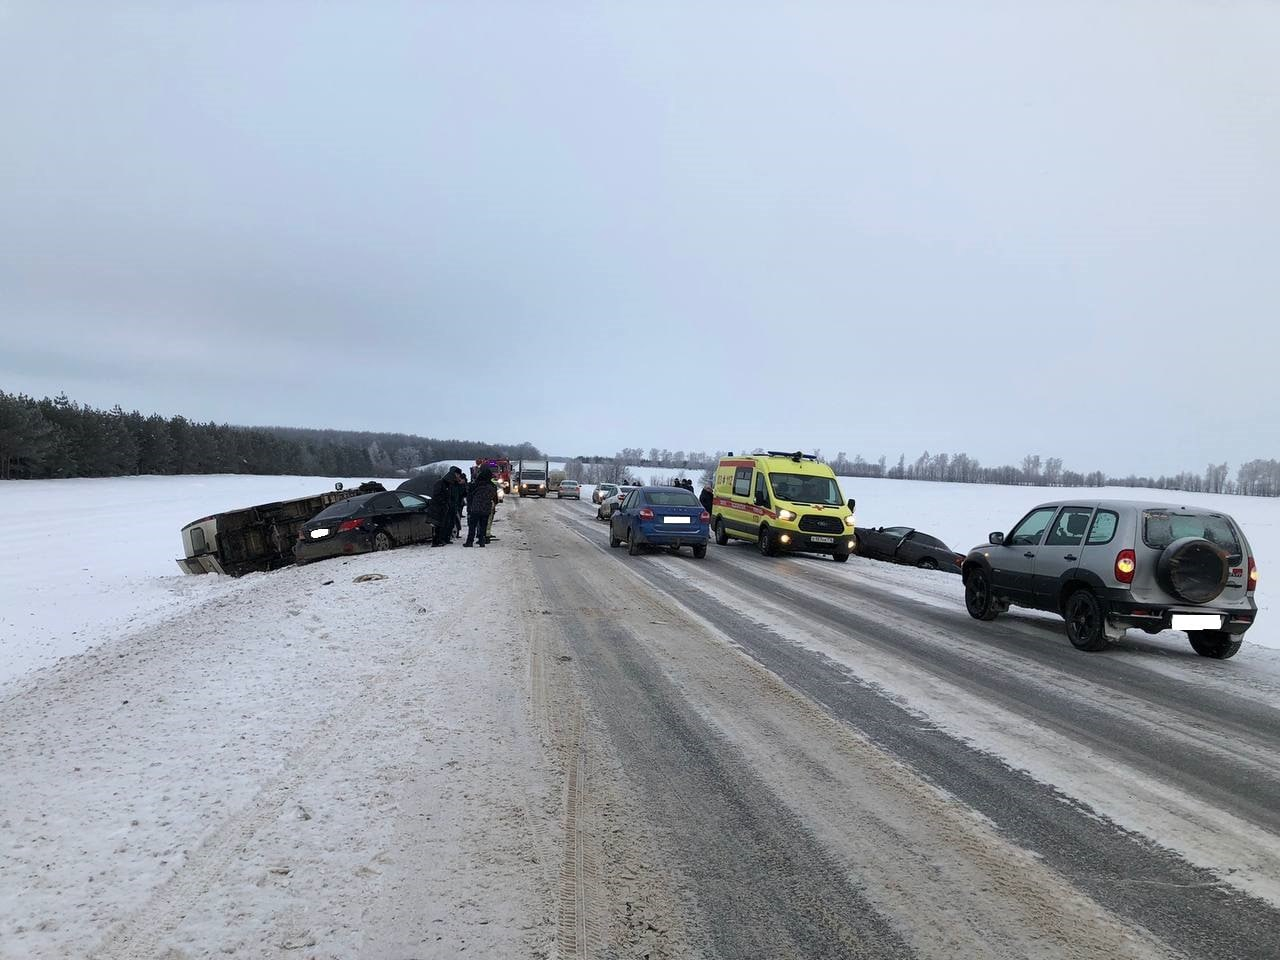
(672, 498)
(1159, 529)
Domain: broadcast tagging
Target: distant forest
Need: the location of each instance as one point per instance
(41, 439)
(1258, 478)
(57, 437)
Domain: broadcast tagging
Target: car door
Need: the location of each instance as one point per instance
(620, 519)
(419, 526)
(1060, 553)
(1013, 562)
(391, 516)
(763, 505)
(917, 546)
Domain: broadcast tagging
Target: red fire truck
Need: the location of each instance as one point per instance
(500, 467)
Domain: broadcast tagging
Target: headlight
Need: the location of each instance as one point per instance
(786, 515)
(848, 521)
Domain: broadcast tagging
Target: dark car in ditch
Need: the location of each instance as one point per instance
(907, 545)
(376, 521)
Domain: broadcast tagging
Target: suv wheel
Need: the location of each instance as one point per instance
(1086, 628)
(1216, 644)
(977, 596)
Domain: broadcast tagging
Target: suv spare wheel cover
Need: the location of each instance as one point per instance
(1193, 569)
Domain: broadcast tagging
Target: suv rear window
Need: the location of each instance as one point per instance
(1159, 529)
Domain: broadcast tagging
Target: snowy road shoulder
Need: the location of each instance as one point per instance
(246, 775)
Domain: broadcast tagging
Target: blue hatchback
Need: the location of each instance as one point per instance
(661, 516)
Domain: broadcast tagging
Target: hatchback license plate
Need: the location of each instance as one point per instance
(675, 520)
(1197, 621)
(823, 539)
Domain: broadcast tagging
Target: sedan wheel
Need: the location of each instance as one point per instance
(633, 543)
(927, 563)
(382, 540)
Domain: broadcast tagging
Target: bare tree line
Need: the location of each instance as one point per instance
(1259, 478)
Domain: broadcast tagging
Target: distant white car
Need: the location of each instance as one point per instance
(569, 488)
(612, 503)
(602, 491)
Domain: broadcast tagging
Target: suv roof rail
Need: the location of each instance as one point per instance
(796, 455)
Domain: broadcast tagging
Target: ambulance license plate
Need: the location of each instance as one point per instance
(675, 520)
(822, 539)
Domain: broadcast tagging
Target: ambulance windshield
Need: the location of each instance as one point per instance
(798, 488)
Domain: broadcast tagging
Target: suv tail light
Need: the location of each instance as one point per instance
(704, 517)
(1252, 582)
(646, 514)
(1126, 564)
(350, 525)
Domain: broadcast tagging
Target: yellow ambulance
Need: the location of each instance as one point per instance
(784, 502)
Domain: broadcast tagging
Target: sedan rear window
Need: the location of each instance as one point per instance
(344, 509)
(672, 498)
(1159, 529)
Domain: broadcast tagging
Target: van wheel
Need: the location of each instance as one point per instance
(699, 551)
(977, 596)
(382, 540)
(765, 542)
(840, 557)
(1085, 627)
(722, 537)
(1216, 644)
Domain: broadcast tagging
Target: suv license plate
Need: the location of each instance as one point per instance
(823, 539)
(1197, 621)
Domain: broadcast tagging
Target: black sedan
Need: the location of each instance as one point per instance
(907, 545)
(373, 521)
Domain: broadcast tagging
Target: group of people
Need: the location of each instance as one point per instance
(706, 498)
(451, 494)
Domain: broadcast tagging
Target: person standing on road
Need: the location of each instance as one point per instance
(481, 496)
(458, 499)
(441, 512)
(707, 497)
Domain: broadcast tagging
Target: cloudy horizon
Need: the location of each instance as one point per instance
(876, 229)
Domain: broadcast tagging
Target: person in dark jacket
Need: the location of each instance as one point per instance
(481, 497)
(707, 497)
(441, 511)
(458, 499)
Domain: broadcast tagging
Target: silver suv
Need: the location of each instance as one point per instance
(1106, 565)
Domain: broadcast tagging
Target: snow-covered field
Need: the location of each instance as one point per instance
(82, 555)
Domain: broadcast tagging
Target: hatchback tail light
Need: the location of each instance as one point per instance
(646, 514)
(1126, 564)
(704, 517)
(350, 525)
(1252, 582)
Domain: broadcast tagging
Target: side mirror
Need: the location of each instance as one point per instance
(853, 504)
(997, 539)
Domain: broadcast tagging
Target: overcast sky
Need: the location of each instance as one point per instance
(989, 227)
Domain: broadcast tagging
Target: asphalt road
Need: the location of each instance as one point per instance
(826, 764)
